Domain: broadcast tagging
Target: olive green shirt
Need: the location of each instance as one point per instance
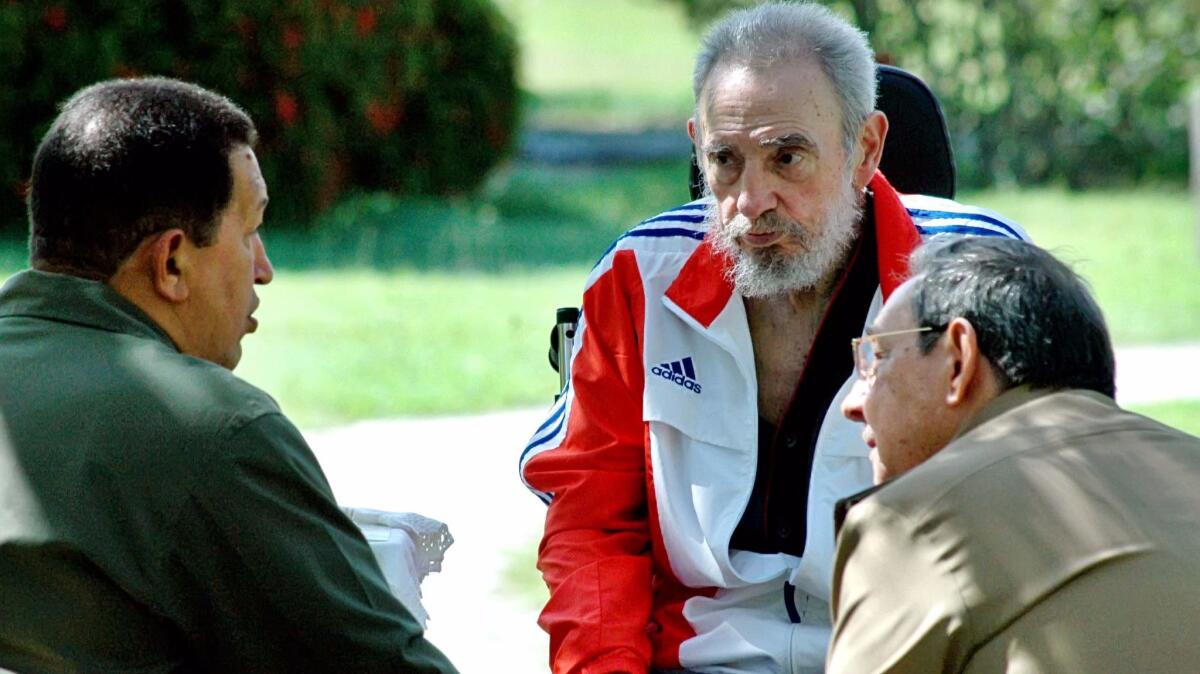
(158, 514)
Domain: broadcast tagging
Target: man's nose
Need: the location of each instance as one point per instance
(757, 195)
(852, 406)
(263, 270)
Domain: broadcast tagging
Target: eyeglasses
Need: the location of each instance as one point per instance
(866, 350)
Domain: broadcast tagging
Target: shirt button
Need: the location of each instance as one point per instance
(789, 441)
(784, 532)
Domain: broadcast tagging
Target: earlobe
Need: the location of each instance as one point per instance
(167, 263)
(691, 129)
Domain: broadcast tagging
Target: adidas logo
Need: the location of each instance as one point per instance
(680, 372)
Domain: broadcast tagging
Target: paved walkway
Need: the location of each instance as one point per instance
(462, 470)
(1154, 374)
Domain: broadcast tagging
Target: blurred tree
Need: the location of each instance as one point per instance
(1090, 92)
(416, 96)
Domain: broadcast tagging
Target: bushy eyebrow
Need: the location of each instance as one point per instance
(790, 140)
(712, 148)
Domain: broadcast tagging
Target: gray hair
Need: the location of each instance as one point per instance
(783, 32)
(1035, 320)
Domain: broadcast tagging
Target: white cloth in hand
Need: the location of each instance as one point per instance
(408, 547)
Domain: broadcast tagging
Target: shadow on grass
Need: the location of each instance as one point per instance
(527, 217)
(383, 233)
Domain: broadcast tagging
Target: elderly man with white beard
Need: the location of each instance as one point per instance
(691, 465)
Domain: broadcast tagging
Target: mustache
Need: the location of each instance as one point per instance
(771, 221)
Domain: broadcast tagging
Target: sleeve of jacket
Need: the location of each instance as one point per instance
(290, 584)
(896, 605)
(595, 554)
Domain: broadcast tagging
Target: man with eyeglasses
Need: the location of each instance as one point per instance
(1023, 521)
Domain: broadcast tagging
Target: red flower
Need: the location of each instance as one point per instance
(364, 21)
(286, 108)
(55, 18)
(383, 117)
(292, 37)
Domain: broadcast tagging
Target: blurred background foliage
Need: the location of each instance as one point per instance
(423, 256)
(1083, 92)
(413, 97)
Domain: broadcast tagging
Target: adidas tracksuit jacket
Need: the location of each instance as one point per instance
(648, 459)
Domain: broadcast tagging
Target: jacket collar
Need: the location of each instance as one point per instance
(1020, 407)
(703, 287)
(71, 299)
(842, 507)
(1016, 408)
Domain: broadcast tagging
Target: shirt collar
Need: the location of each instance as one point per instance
(1001, 404)
(71, 299)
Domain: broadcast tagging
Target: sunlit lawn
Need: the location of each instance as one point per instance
(1139, 249)
(1182, 414)
(389, 320)
(340, 345)
(345, 345)
(612, 64)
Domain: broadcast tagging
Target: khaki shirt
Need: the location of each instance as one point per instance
(158, 514)
(1059, 534)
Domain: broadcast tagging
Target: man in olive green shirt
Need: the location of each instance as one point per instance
(158, 514)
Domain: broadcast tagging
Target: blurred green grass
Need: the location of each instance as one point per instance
(1182, 414)
(335, 346)
(390, 307)
(520, 579)
(617, 64)
(526, 217)
(392, 340)
(1138, 248)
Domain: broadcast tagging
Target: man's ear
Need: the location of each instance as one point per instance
(167, 256)
(870, 144)
(968, 368)
(692, 129)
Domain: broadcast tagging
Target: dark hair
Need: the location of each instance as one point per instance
(1036, 321)
(126, 159)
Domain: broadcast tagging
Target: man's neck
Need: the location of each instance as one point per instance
(136, 286)
(783, 328)
(68, 269)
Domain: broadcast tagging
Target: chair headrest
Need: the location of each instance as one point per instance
(917, 156)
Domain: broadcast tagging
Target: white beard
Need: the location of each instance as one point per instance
(766, 272)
